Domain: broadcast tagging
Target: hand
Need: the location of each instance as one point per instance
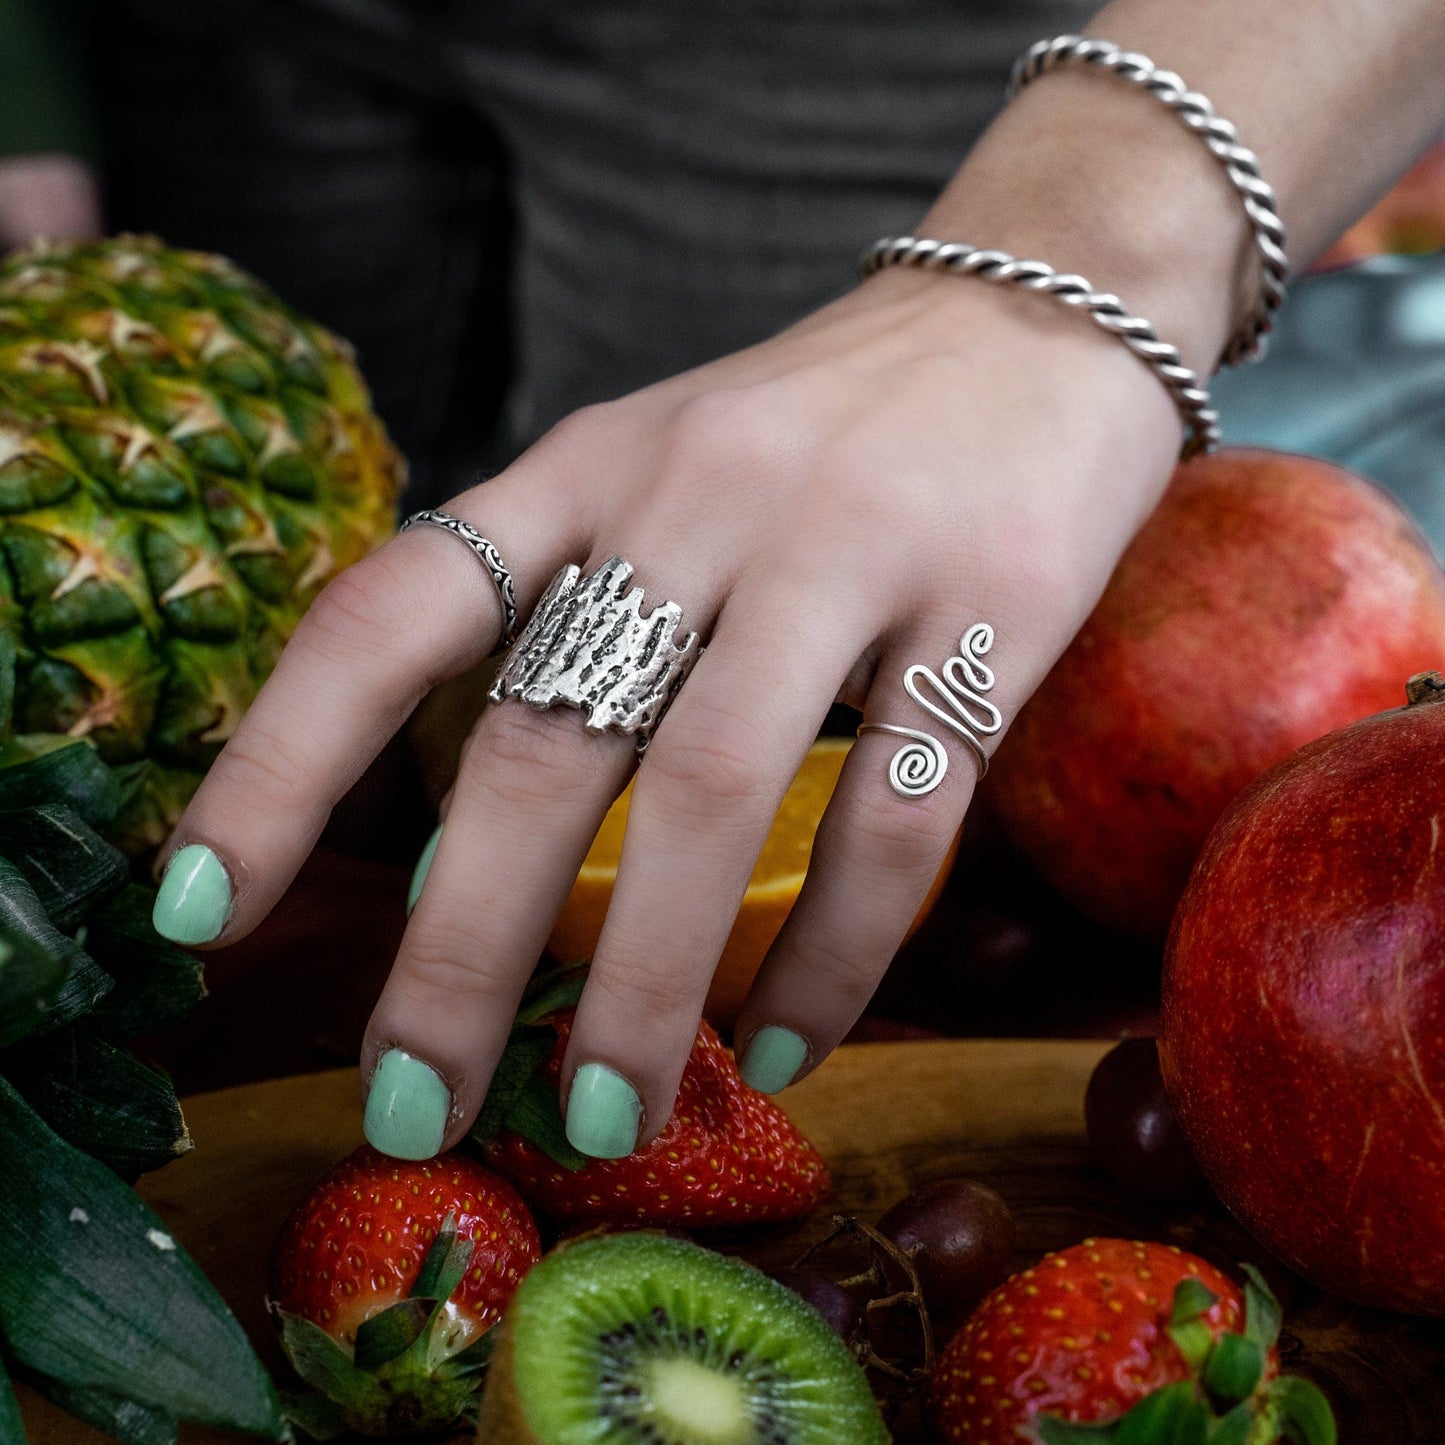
(52, 196)
(827, 508)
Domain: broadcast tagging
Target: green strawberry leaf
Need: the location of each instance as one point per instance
(1053, 1431)
(313, 1414)
(72, 869)
(444, 1265)
(35, 769)
(392, 1332)
(477, 1355)
(526, 1052)
(12, 1427)
(1174, 1415)
(1233, 1369)
(552, 991)
(1235, 1428)
(156, 983)
(125, 1420)
(536, 1114)
(1192, 1300)
(94, 1291)
(321, 1362)
(101, 1099)
(1305, 1414)
(22, 916)
(1195, 1341)
(30, 977)
(1263, 1317)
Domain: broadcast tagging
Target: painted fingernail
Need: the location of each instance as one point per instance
(423, 867)
(772, 1059)
(407, 1108)
(603, 1113)
(195, 898)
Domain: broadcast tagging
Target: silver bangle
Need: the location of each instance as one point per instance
(1240, 164)
(1106, 311)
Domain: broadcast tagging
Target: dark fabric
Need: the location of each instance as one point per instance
(539, 205)
(44, 103)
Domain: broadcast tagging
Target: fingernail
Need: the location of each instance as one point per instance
(407, 1108)
(603, 1113)
(423, 867)
(195, 898)
(772, 1060)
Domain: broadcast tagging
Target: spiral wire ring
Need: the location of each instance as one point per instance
(1240, 163)
(489, 557)
(1105, 310)
(919, 766)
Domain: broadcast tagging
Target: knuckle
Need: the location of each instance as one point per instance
(742, 427)
(447, 961)
(707, 766)
(256, 762)
(528, 756)
(362, 609)
(644, 990)
(901, 838)
(838, 972)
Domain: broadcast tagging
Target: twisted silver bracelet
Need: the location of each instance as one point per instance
(1106, 311)
(1240, 164)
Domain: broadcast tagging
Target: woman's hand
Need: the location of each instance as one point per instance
(827, 509)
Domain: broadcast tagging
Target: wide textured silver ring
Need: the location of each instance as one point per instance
(490, 558)
(589, 646)
(953, 695)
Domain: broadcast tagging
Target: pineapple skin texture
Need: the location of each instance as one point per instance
(184, 463)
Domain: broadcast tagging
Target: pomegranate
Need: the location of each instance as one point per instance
(1303, 1043)
(1270, 599)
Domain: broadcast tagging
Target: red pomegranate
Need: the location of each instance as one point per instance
(1269, 600)
(1303, 1045)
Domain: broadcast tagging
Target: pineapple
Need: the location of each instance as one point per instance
(184, 463)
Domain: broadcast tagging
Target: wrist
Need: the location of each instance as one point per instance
(1094, 176)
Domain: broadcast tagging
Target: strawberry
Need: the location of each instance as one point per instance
(729, 1155)
(387, 1278)
(1113, 1341)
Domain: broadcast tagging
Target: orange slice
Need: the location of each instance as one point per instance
(770, 895)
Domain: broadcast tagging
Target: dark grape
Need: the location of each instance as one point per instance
(826, 1296)
(961, 1236)
(1134, 1135)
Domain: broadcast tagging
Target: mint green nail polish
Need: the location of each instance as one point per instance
(423, 867)
(195, 898)
(407, 1108)
(774, 1056)
(603, 1113)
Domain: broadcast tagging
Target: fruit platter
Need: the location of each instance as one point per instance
(887, 1117)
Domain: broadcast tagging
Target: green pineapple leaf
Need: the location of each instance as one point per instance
(125, 1420)
(95, 1293)
(22, 916)
(40, 768)
(30, 977)
(156, 983)
(72, 869)
(100, 1099)
(12, 1427)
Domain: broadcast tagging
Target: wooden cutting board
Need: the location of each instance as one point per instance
(887, 1117)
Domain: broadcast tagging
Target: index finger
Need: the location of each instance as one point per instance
(378, 638)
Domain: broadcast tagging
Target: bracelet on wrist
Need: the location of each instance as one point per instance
(1240, 164)
(1104, 310)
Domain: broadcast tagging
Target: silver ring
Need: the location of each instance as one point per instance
(918, 767)
(491, 559)
(589, 646)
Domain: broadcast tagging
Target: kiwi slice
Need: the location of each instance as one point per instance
(642, 1339)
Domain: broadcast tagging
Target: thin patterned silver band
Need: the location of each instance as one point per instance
(589, 646)
(919, 766)
(491, 559)
(1104, 310)
(1240, 164)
